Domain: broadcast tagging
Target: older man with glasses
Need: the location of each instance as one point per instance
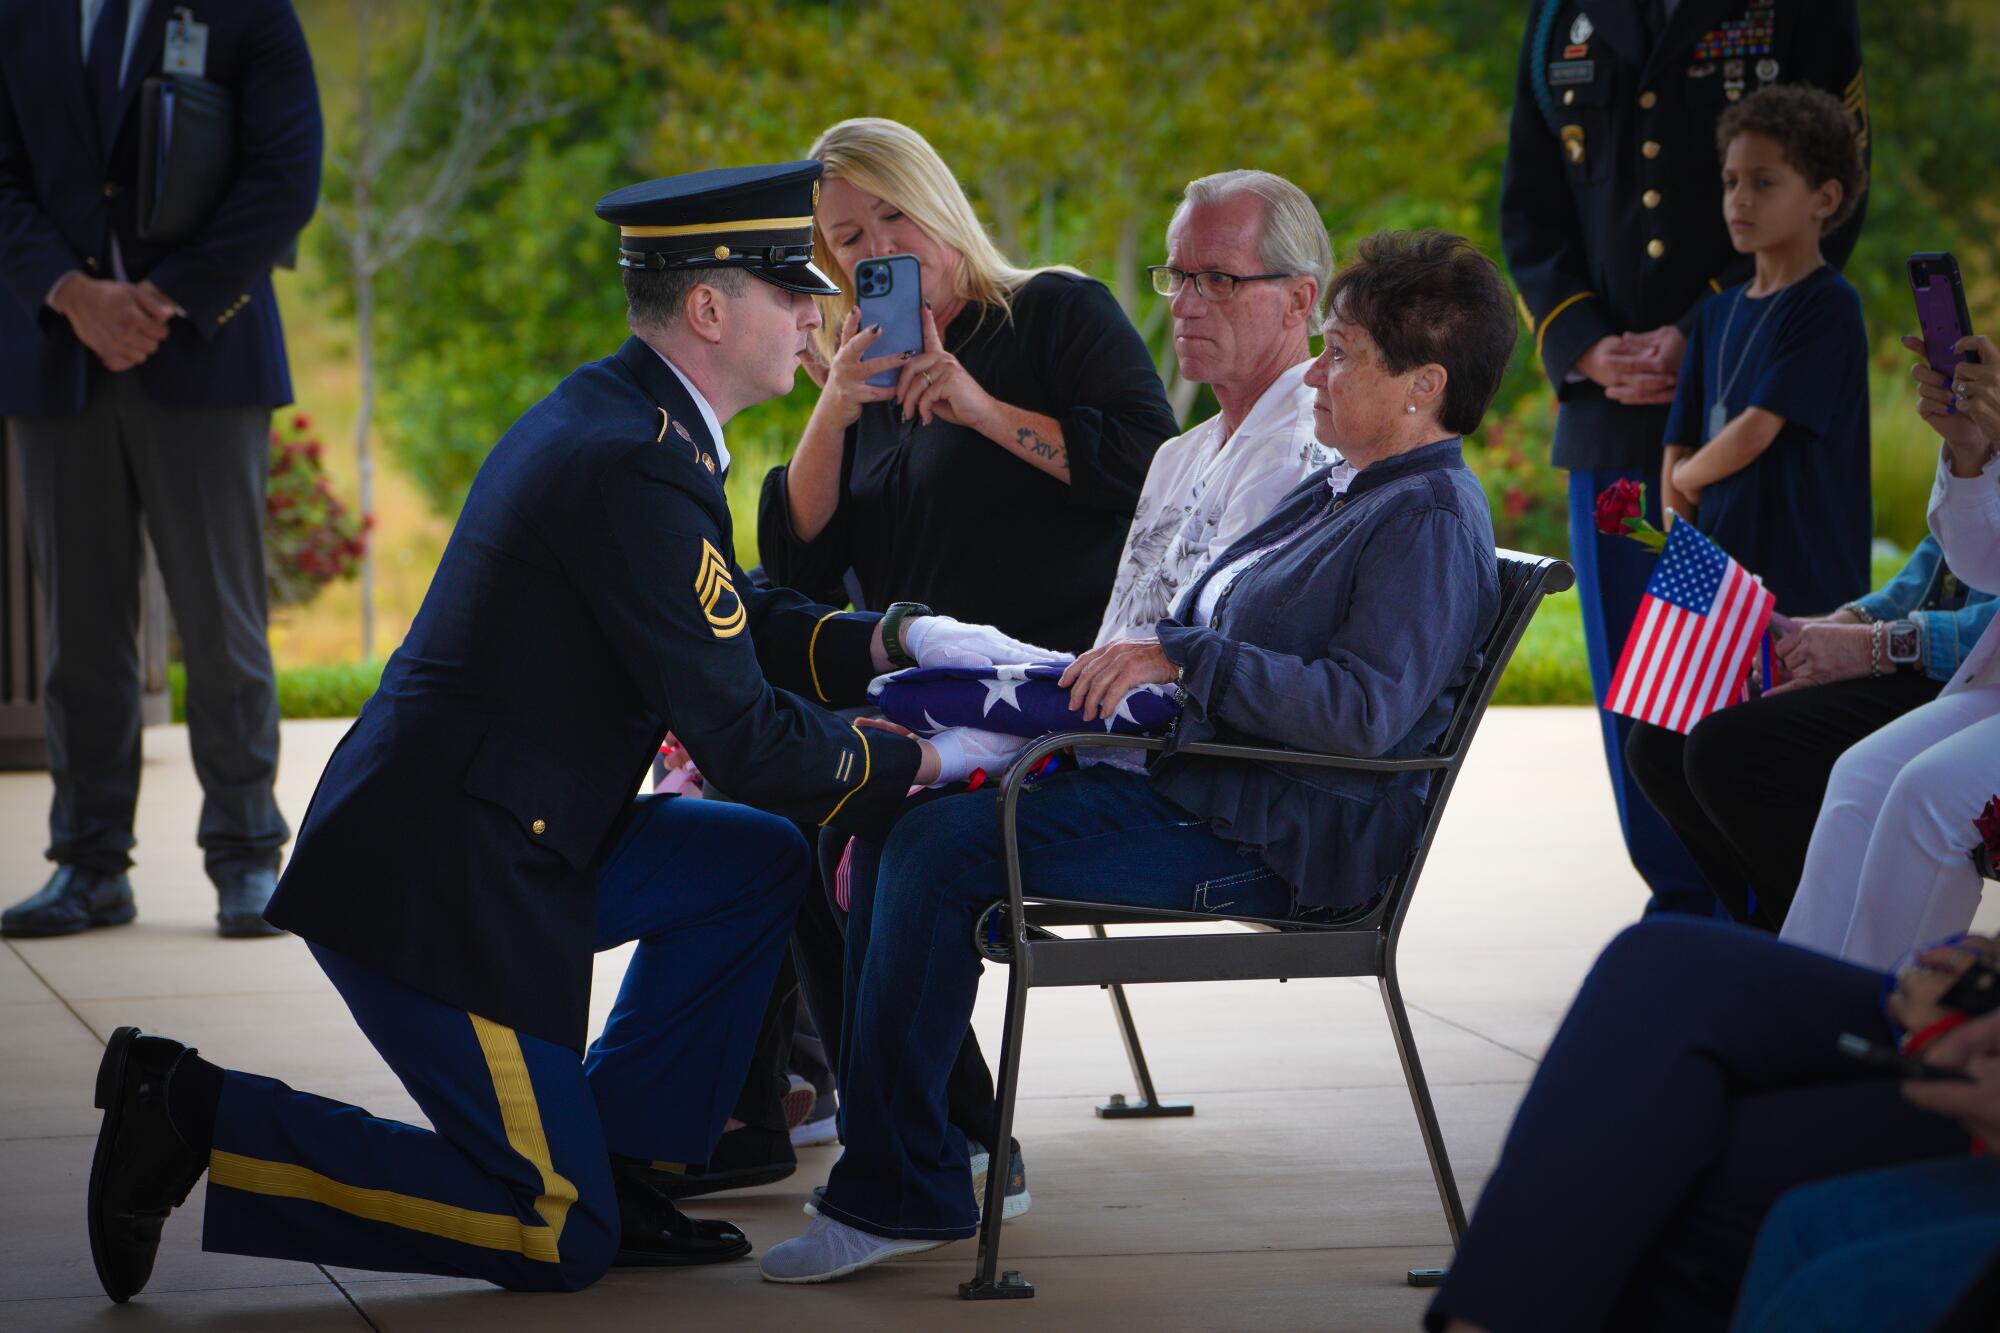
(1247, 262)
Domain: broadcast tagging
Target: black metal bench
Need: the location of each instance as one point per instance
(1364, 946)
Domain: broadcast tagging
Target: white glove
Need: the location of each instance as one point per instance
(960, 750)
(943, 641)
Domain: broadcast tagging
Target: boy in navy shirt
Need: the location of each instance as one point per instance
(1767, 441)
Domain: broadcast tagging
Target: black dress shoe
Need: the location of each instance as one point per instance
(73, 900)
(143, 1169)
(745, 1156)
(655, 1234)
(241, 897)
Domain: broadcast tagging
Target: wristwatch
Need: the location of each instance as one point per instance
(892, 631)
(1906, 643)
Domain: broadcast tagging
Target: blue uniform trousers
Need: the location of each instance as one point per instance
(1695, 1079)
(1099, 835)
(514, 1183)
(1611, 576)
(1889, 1249)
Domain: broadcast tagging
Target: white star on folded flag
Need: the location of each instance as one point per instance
(998, 691)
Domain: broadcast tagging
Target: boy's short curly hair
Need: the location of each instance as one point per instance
(1814, 132)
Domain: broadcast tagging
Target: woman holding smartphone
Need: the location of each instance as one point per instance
(995, 479)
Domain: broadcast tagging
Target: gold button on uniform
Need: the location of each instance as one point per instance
(1650, 198)
(539, 827)
(1648, 99)
(1650, 148)
(1656, 247)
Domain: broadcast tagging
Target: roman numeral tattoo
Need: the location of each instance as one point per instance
(1031, 441)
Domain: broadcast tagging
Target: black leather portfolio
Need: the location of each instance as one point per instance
(187, 149)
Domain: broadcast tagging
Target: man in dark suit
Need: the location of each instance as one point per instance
(1611, 215)
(137, 378)
(475, 839)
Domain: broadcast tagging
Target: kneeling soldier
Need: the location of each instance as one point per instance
(474, 838)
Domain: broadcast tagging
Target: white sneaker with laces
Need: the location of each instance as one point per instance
(828, 1249)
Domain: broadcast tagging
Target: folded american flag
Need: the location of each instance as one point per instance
(1689, 649)
(1014, 700)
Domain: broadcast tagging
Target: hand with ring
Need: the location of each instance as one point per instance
(934, 386)
(1965, 409)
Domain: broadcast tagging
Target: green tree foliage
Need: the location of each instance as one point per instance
(1073, 129)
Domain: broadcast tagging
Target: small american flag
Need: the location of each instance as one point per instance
(1690, 644)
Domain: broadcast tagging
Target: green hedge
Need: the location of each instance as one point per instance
(312, 691)
(1548, 668)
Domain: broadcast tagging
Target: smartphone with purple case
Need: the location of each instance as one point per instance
(1941, 310)
(890, 292)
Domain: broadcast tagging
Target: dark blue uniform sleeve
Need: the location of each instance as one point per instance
(699, 640)
(1543, 236)
(279, 140)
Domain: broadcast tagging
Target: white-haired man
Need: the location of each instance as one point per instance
(1247, 260)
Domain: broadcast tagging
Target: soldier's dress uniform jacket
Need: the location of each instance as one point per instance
(588, 602)
(1611, 204)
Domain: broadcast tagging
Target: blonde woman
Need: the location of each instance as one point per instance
(995, 481)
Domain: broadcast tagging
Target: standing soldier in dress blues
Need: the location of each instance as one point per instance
(1611, 215)
(474, 838)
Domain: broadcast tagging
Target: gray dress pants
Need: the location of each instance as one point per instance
(196, 479)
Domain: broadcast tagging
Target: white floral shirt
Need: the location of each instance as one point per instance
(1202, 493)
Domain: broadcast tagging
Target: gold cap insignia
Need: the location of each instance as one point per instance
(722, 252)
(716, 592)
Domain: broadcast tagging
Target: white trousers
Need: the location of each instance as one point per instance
(1888, 868)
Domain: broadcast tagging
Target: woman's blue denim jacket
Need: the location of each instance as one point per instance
(1356, 637)
(1924, 590)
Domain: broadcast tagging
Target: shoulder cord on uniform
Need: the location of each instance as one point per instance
(1538, 60)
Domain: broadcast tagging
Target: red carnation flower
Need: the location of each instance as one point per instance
(1622, 499)
(1987, 854)
(301, 422)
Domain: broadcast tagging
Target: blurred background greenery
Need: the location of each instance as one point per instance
(1073, 131)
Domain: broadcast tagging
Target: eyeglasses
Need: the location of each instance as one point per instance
(1212, 286)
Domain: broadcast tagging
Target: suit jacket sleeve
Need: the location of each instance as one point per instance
(279, 140)
(1543, 237)
(693, 643)
(32, 253)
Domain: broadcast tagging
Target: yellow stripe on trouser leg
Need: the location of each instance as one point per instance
(523, 1120)
(285, 1180)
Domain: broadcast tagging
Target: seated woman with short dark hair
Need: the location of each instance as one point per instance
(1344, 622)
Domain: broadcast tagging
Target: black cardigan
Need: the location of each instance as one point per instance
(942, 515)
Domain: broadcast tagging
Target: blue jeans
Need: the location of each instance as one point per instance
(1885, 1249)
(1101, 835)
(1611, 577)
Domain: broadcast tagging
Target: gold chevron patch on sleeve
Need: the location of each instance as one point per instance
(716, 592)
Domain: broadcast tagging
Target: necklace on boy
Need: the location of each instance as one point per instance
(1718, 414)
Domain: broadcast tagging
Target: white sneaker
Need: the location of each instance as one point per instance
(828, 1249)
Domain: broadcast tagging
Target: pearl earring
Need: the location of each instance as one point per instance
(1410, 407)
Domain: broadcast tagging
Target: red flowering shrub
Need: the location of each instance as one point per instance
(1528, 497)
(310, 537)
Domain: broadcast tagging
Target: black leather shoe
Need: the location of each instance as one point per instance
(143, 1169)
(745, 1156)
(241, 897)
(655, 1234)
(73, 900)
